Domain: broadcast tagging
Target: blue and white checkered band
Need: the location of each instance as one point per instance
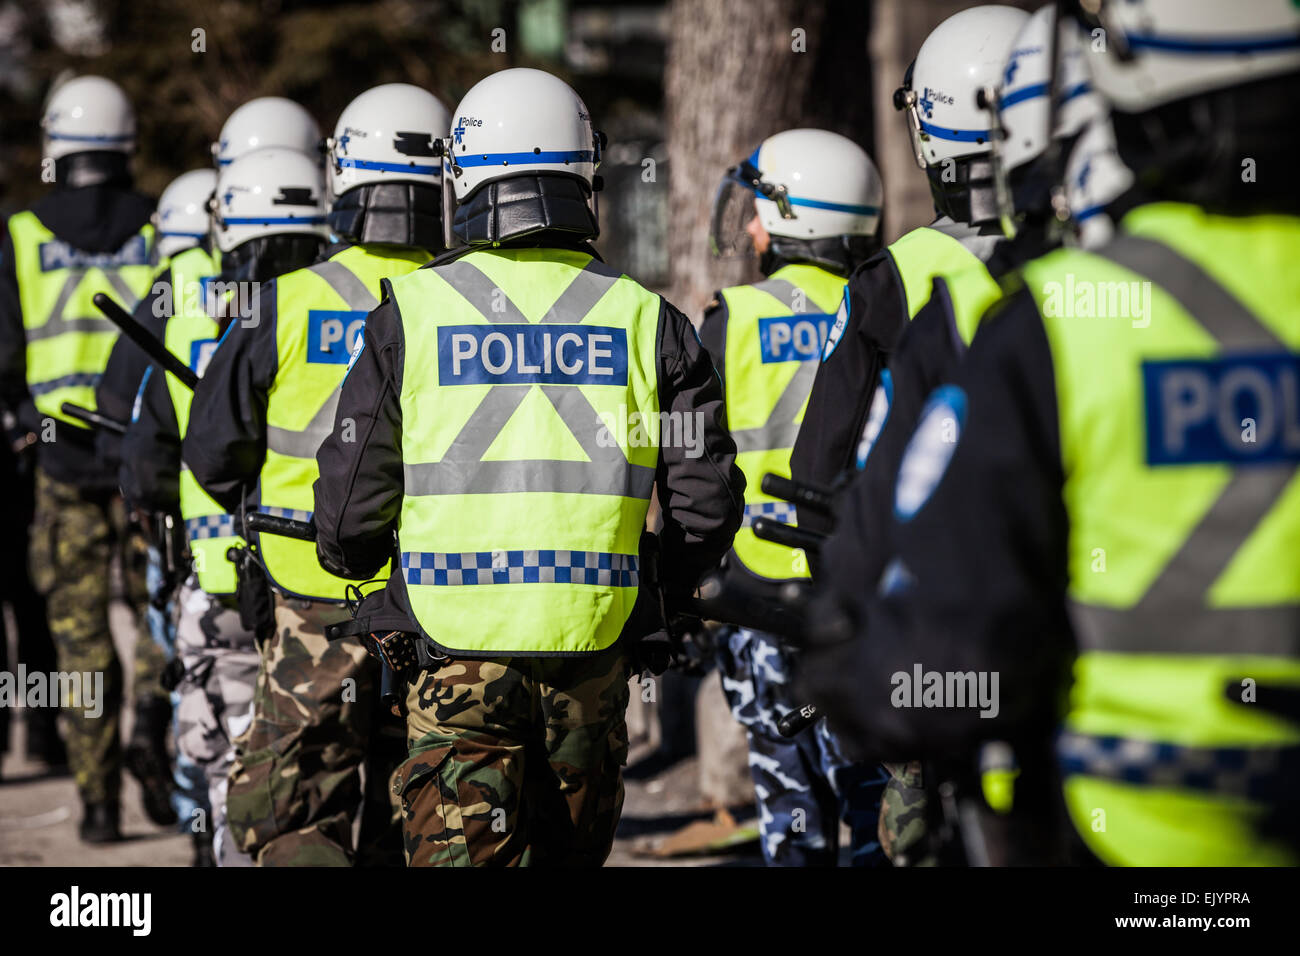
(210, 526)
(781, 511)
(521, 567)
(1254, 773)
(287, 513)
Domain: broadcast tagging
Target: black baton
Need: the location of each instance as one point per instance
(138, 334)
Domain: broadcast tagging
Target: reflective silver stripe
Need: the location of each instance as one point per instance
(1253, 773)
(127, 298)
(780, 430)
(981, 247)
(1171, 617)
(56, 324)
(347, 285)
(580, 297)
(462, 470)
(1220, 312)
(481, 292)
(305, 443)
(783, 290)
(1191, 629)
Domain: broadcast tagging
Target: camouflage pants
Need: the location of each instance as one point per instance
(315, 762)
(216, 699)
(74, 539)
(902, 816)
(515, 761)
(803, 785)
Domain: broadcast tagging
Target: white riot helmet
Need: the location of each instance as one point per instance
(1024, 111)
(387, 134)
(961, 56)
(1094, 177)
(87, 114)
(522, 122)
(182, 217)
(268, 192)
(1146, 53)
(803, 184)
(264, 122)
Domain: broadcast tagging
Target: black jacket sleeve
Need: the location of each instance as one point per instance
(701, 490)
(13, 343)
(713, 335)
(847, 377)
(151, 449)
(359, 491)
(116, 392)
(929, 354)
(225, 443)
(978, 579)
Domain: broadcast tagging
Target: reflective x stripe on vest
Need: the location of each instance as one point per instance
(774, 337)
(68, 339)
(530, 429)
(320, 314)
(190, 334)
(1176, 353)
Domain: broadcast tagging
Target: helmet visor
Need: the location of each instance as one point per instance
(733, 210)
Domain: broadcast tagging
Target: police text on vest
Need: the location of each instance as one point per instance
(543, 354)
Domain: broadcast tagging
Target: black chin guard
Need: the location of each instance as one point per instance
(523, 205)
(398, 214)
(264, 258)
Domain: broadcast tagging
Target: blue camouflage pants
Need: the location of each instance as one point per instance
(803, 785)
(191, 793)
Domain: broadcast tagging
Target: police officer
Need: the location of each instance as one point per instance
(515, 404)
(261, 410)
(91, 234)
(951, 139)
(182, 223)
(889, 329)
(1032, 146)
(217, 654)
(1113, 493)
(808, 202)
(267, 121)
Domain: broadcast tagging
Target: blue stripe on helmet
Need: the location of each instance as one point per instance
(956, 135)
(183, 235)
(834, 206)
(1036, 90)
(1031, 92)
(1085, 214)
(124, 138)
(1255, 44)
(391, 167)
(546, 156)
(274, 221)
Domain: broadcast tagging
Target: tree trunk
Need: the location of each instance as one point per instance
(739, 71)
